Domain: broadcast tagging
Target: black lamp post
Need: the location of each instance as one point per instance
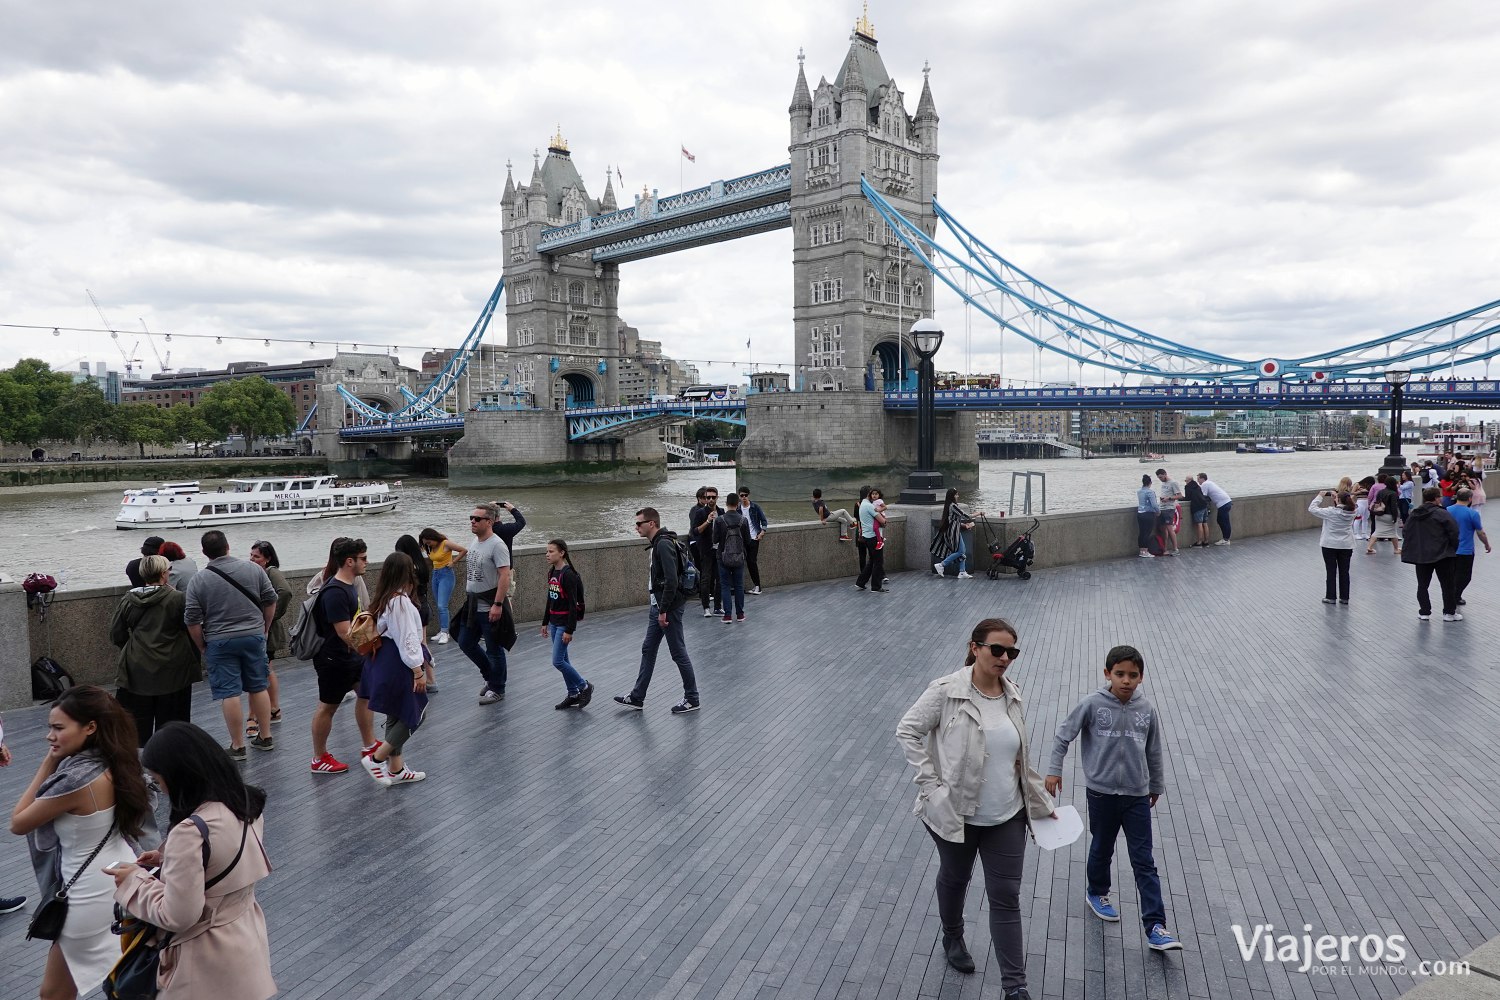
(1396, 376)
(924, 485)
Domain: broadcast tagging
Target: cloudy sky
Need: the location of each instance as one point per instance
(1258, 179)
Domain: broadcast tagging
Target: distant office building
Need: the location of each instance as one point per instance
(108, 380)
(299, 381)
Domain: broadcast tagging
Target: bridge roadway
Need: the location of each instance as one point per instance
(586, 422)
(1327, 766)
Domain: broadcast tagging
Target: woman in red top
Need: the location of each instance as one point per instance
(564, 612)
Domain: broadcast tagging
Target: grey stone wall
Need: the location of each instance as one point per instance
(838, 441)
(516, 448)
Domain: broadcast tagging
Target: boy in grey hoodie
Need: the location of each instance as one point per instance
(1122, 771)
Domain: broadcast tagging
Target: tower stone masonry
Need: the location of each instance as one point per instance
(856, 289)
(566, 307)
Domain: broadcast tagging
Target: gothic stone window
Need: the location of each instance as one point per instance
(598, 295)
(555, 294)
(575, 293)
(578, 331)
(825, 116)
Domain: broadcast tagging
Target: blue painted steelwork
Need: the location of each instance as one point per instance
(656, 215)
(446, 380)
(1051, 320)
(598, 421)
(715, 229)
(403, 428)
(423, 408)
(307, 420)
(1262, 395)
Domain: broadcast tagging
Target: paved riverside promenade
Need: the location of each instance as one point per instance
(1326, 765)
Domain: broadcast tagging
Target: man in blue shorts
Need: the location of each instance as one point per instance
(229, 610)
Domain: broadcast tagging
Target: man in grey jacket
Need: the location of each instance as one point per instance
(230, 605)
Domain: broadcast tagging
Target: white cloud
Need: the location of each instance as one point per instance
(1248, 179)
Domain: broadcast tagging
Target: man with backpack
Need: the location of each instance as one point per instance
(732, 540)
(228, 615)
(671, 579)
(338, 665)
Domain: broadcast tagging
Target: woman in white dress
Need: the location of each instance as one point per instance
(86, 808)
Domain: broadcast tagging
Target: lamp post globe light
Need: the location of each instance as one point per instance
(1396, 377)
(924, 485)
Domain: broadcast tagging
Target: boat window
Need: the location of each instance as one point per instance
(208, 508)
(296, 505)
(252, 508)
(325, 502)
(302, 484)
(283, 505)
(221, 508)
(338, 501)
(244, 488)
(265, 486)
(236, 508)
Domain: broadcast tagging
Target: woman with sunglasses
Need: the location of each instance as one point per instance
(966, 736)
(263, 554)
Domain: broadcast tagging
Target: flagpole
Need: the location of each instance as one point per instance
(680, 168)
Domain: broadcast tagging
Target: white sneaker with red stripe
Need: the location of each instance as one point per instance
(406, 776)
(376, 770)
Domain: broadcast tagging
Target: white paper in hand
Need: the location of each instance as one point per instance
(1054, 833)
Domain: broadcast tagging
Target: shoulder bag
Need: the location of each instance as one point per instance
(236, 585)
(47, 922)
(134, 975)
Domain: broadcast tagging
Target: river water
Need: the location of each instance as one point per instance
(68, 530)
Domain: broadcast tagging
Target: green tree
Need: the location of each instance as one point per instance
(81, 414)
(250, 406)
(28, 392)
(141, 424)
(187, 424)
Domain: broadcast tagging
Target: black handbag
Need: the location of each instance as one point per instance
(47, 922)
(134, 975)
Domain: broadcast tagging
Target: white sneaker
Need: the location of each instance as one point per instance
(441, 638)
(1222, 541)
(937, 568)
(708, 613)
(406, 776)
(966, 576)
(375, 769)
(1146, 555)
(754, 590)
(1453, 618)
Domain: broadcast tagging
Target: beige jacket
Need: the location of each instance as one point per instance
(219, 949)
(943, 737)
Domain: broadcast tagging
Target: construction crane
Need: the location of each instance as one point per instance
(133, 358)
(161, 362)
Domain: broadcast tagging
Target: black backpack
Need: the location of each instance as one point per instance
(48, 679)
(687, 570)
(732, 550)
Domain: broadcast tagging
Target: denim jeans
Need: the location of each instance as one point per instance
(678, 646)
(962, 555)
(492, 668)
(1336, 569)
(560, 660)
(732, 588)
(1145, 527)
(442, 593)
(872, 572)
(1108, 815)
(1223, 518)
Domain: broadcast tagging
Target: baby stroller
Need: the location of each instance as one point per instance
(1018, 555)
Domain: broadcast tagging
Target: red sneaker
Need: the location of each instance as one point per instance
(369, 750)
(326, 764)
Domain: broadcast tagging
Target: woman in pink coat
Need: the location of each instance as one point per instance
(204, 888)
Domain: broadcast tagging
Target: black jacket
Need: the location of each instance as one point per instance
(563, 604)
(700, 532)
(664, 589)
(1431, 535)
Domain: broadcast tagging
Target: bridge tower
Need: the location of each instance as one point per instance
(856, 289)
(562, 313)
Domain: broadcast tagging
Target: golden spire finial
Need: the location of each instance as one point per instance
(863, 27)
(558, 143)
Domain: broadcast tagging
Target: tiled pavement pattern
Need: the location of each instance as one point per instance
(1331, 766)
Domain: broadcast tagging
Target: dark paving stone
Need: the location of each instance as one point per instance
(1331, 766)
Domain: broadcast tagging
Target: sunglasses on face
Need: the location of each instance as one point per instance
(640, 523)
(473, 517)
(998, 650)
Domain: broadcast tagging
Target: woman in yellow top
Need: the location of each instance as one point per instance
(443, 554)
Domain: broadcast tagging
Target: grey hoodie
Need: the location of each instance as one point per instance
(1121, 750)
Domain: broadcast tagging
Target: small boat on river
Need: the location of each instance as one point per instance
(279, 498)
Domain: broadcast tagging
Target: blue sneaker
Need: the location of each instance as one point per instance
(1103, 908)
(1157, 939)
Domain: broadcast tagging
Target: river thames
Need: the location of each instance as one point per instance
(68, 531)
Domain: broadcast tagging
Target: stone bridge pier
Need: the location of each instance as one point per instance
(838, 441)
(516, 448)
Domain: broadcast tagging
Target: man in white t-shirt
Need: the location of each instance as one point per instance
(485, 603)
(1222, 504)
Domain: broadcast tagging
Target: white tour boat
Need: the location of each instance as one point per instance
(280, 498)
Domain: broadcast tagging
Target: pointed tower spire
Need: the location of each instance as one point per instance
(854, 77)
(608, 203)
(510, 186)
(925, 107)
(801, 96)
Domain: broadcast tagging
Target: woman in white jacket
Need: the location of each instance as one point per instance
(395, 677)
(1337, 541)
(966, 736)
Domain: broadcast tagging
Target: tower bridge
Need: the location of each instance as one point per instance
(870, 242)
